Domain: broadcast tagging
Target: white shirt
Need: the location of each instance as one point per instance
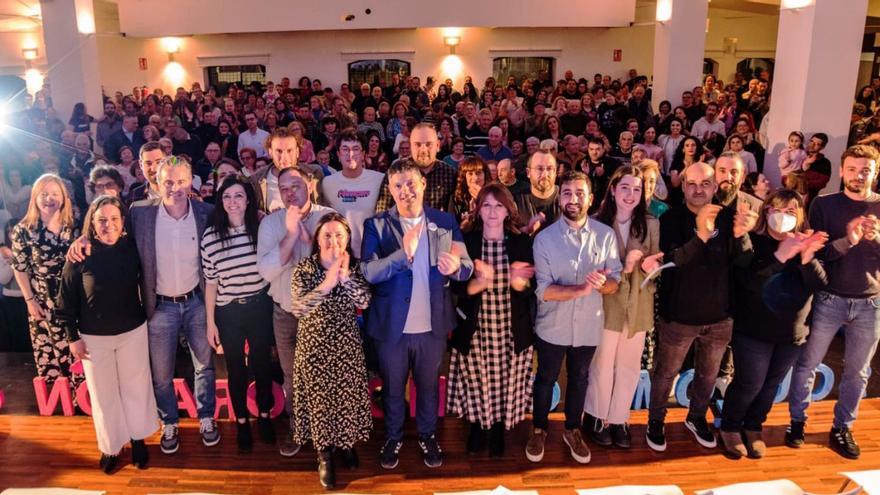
(177, 253)
(355, 199)
(702, 126)
(253, 140)
(418, 319)
(273, 195)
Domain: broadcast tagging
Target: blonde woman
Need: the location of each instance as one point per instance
(39, 243)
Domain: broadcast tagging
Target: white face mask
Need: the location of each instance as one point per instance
(781, 222)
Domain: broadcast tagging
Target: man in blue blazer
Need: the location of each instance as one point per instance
(410, 253)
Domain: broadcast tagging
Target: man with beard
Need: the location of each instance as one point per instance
(576, 262)
(150, 156)
(850, 299)
(699, 238)
(708, 124)
(599, 167)
(817, 167)
(729, 175)
(538, 206)
(440, 177)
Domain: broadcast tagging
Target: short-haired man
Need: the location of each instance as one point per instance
(700, 238)
(476, 133)
(284, 150)
(495, 149)
(354, 191)
(108, 124)
(284, 238)
(253, 137)
(507, 178)
(709, 124)
(410, 254)
(576, 262)
(150, 156)
(571, 156)
(370, 124)
(817, 168)
(573, 121)
(439, 176)
(849, 300)
(538, 206)
(599, 167)
(129, 135)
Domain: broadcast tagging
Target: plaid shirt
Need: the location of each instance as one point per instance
(441, 181)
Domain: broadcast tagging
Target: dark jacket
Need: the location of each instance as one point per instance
(523, 304)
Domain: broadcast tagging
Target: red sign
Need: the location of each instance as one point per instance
(142, 63)
(618, 55)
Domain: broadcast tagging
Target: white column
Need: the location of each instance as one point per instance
(72, 55)
(817, 61)
(679, 45)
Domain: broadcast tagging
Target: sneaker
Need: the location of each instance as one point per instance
(388, 456)
(843, 443)
(210, 432)
(170, 441)
(266, 429)
(289, 447)
(535, 446)
(575, 441)
(734, 448)
(755, 444)
(601, 434)
(621, 436)
(794, 434)
(655, 435)
(244, 438)
(702, 434)
(431, 452)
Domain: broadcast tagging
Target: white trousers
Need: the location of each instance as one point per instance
(120, 388)
(614, 375)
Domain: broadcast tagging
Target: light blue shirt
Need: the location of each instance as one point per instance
(565, 256)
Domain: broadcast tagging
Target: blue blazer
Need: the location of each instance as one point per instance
(385, 265)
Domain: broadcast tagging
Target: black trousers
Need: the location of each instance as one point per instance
(577, 365)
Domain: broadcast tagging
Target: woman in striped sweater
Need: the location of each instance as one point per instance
(237, 303)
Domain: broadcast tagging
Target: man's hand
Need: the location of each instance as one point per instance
(744, 221)
(706, 221)
(448, 263)
(651, 263)
(534, 224)
(79, 250)
(871, 228)
(292, 219)
(855, 230)
(595, 280)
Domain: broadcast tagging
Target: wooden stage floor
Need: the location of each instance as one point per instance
(61, 451)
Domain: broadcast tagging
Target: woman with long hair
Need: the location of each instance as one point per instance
(757, 185)
(375, 157)
(445, 133)
(306, 148)
(491, 363)
(687, 153)
(99, 307)
(473, 174)
(629, 312)
(237, 304)
(736, 143)
(552, 129)
(773, 286)
(331, 405)
(745, 127)
(398, 120)
(39, 244)
(669, 142)
(80, 120)
(227, 138)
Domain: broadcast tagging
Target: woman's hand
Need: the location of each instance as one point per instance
(79, 350)
(35, 311)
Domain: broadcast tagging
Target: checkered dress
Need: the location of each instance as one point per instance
(492, 384)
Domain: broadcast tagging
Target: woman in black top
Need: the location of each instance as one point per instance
(473, 174)
(99, 308)
(773, 286)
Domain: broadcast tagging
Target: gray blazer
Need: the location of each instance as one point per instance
(141, 225)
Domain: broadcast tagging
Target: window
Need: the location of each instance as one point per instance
(752, 67)
(520, 67)
(710, 66)
(221, 77)
(376, 72)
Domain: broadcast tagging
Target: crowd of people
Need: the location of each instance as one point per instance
(519, 226)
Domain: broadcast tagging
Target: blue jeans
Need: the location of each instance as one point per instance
(423, 353)
(577, 367)
(862, 320)
(165, 325)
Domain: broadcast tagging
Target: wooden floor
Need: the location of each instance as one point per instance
(61, 451)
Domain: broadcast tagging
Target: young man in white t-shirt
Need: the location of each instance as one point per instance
(353, 192)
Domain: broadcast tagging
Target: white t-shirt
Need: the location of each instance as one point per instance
(355, 199)
(418, 319)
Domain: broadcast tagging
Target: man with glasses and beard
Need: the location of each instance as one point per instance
(538, 206)
(439, 176)
(851, 298)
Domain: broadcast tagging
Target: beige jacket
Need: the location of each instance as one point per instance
(632, 305)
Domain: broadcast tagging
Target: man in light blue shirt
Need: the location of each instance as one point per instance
(576, 262)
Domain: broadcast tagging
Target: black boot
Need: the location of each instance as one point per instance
(108, 463)
(476, 441)
(244, 438)
(266, 428)
(350, 456)
(139, 454)
(326, 469)
(496, 440)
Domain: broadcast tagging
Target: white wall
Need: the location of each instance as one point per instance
(756, 34)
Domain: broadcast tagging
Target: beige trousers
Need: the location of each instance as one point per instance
(614, 375)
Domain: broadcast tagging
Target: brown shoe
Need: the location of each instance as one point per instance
(755, 444)
(733, 444)
(535, 446)
(575, 441)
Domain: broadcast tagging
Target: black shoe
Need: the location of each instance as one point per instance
(600, 433)
(842, 442)
(794, 434)
(496, 440)
(388, 456)
(621, 436)
(656, 435)
(431, 453)
(701, 431)
(350, 456)
(108, 463)
(326, 469)
(476, 441)
(266, 429)
(139, 454)
(244, 438)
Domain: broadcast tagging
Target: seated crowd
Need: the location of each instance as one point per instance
(524, 219)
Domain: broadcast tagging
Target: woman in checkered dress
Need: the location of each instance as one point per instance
(490, 371)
